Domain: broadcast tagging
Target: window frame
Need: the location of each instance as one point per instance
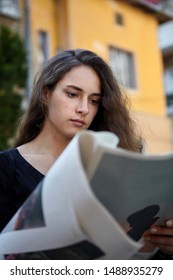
(129, 64)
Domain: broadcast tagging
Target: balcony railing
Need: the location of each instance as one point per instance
(162, 9)
(9, 8)
(166, 36)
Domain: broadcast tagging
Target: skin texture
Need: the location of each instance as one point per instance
(72, 106)
(162, 237)
(74, 103)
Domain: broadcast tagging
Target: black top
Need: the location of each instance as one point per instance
(17, 180)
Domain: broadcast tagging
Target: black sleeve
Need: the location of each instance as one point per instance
(6, 194)
(162, 256)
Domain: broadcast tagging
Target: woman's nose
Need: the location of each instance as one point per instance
(82, 107)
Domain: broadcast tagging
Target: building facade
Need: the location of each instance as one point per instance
(125, 34)
(10, 14)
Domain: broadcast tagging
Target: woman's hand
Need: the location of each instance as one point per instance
(162, 237)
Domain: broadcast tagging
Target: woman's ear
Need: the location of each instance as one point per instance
(45, 95)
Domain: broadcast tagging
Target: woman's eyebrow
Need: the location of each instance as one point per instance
(75, 87)
(80, 89)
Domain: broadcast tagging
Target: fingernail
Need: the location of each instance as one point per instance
(153, 230)
(169, 223)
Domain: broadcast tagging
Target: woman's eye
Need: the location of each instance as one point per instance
(72, 94)
(94, 102)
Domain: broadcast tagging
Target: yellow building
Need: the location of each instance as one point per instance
(124, 35)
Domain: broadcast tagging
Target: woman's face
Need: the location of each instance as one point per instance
(74, 102)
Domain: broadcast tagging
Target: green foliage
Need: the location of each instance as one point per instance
(9, 113)
(12, 76)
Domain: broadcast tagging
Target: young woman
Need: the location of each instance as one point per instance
(75, 90)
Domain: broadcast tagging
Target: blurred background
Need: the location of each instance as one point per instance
(135, 37)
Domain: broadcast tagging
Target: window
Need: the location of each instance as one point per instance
(9, 8)
(43, 46)
(168, 80)
(122, 63)
(119, 19)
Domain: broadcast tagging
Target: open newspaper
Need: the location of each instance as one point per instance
(95, 202)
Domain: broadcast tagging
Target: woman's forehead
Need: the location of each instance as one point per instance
(82, 77)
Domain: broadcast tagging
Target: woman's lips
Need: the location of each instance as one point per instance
(78, 122)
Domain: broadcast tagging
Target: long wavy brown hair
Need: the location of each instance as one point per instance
(113, 114)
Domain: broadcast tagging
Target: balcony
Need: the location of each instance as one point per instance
(9, 8)
(162, 9)
(166, 45)
(166, 36)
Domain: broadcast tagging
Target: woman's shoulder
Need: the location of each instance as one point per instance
(7, 156)
(6, 163)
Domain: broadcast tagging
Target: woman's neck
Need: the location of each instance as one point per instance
(43, 151)
(45, 143)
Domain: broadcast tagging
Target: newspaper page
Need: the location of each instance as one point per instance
(66, 217)
(135, 188)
